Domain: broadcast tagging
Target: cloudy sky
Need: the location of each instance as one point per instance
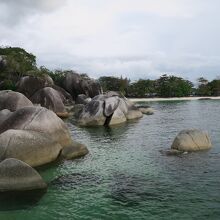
(133, 38)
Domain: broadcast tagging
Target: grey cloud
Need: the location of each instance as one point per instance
(14, 11)
(135, 67)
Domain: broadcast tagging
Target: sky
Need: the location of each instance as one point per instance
(129, 38)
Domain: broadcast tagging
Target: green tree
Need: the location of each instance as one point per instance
(215, 87)
(172, 86)
(203, 87)
(141, 88)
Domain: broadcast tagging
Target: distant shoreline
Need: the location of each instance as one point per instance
(173, 99)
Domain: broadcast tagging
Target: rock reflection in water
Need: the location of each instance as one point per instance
(20, 200)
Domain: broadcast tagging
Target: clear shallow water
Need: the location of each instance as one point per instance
(126, 176)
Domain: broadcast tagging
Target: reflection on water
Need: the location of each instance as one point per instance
(20, 200)
(125, 175)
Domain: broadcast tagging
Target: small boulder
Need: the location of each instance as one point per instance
(147, 111)
(74, 151)
(50, 99)
(83, 99)
(38, 119)
(33, 148)
(191, 140)
(16, 175)
(13, 100)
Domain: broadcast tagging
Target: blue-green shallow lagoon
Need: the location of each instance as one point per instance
(127, 175)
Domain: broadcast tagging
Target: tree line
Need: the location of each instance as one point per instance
(165, 86)
(15, 62)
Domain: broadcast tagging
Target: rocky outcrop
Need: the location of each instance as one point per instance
(75, 84)
(192, 140)
(31, 147)
(13, 100)
(74, 151)
(64, 95)
(16, 175)
(4, 114)
(28, 85)
(108, 109)
(38, 119)
(83, 99)
(50, 99)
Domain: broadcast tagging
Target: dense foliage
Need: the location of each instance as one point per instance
(15, 62)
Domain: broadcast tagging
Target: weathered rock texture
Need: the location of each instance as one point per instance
(108, 109)
(38, 119)
(75, 84)
(50, 99)
(13, 100)
(31, 147)
(192, 140)
(16, 175)
(28, 85)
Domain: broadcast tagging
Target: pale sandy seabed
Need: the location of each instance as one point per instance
(171, 99)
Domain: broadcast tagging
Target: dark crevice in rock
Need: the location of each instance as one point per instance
(108, 120)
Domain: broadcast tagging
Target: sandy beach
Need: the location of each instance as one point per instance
(171, 99)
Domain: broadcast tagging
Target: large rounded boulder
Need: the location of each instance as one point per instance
(16, 175)
(28, 85)
(13, 100)
(64, 95)
(31, 147)
(76, 84)
(38, 119)
(50, 99)
(192, 140)
(108, 109)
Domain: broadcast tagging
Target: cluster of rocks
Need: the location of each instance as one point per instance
(43, 91)
(30, 136)
(108, 109)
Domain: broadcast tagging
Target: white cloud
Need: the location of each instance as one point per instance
(142, 38)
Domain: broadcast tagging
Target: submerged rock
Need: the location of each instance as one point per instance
(33, 148)
(192, 140)
(74, 180)
(74, 151)
(38, 119)
(13, 100)
(147, 111)
(16, 175)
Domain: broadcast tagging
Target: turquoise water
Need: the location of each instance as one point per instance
(127, 175)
